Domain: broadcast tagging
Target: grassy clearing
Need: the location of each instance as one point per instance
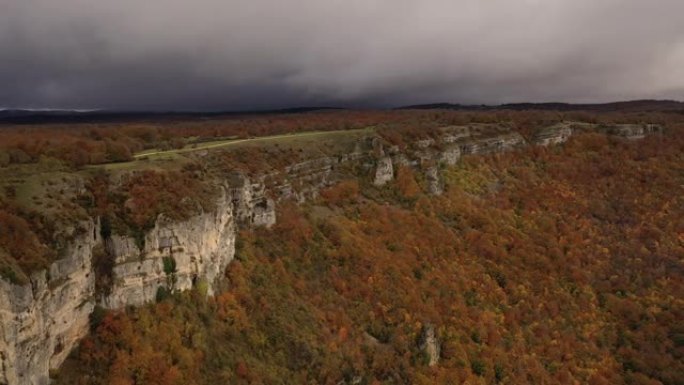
(295, 138)
(161, 161)
(36, 185)
(320, 141)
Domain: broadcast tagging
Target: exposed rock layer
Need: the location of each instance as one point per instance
(429, 344)
(175, 256)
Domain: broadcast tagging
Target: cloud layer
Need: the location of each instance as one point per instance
(218, 54)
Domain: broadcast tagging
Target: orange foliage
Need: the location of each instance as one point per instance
(568, 272)
(406, 183)
(345, 192)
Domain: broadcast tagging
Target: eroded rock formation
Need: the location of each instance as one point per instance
(384, 171)
(174, 256)
(41, 321)
(429, 344)
(555, 134)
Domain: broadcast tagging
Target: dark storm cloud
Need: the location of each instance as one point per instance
(211, 54)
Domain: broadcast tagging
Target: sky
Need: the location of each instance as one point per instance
(260, 54)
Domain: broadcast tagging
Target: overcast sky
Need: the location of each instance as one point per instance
(230, 54)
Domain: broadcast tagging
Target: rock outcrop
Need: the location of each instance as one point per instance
(384, 171)
(561, 132)
(429, 344)
(555, 134)
(250, 202)
(41, 321)
(488, 145)
(435, 184)
(175, 256)
(631, 131)
(450, 155)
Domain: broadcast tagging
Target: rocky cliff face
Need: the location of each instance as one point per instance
(384, 171)
(428, 156)
(561, 132)
(42, 321)
(429, 344)
(175, 256)
(631, 131)
(555, 134)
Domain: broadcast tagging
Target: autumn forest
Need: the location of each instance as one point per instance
(555, 264)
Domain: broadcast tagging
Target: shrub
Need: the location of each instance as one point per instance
(162, 294)
(96, 317)
(169, 265)
(345, 192)
(478, 367)
(103, 265)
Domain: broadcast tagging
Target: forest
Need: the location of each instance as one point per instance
(88, 143)
(545, 265)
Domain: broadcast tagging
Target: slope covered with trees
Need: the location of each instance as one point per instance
(547, 265)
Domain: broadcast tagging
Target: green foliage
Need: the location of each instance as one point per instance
(499, 373)
(475, 336)
(96, 317)
(10, 274)
(139, 236)
(162, 293)
(202, 287)
(470, 297)
(470, 176)
(478, 367)
(169, 265)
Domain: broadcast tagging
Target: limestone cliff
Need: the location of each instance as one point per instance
(631, 131)
(384, 171)
(429, 344)
(430, 154)
(556, 134)
(174, 256)
(41, 321)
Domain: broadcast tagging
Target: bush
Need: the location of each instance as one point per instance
(8, 273)
(478, 367)
(498, 373)
(202, 287)
(169, 265)
(103, 265)
(18, 238)
(96, 317)
(345, 192)
(162, 294)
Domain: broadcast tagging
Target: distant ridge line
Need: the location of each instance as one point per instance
(37, 116)
(633, 105)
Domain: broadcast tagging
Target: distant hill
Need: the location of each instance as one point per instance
(635, 105)
(37, 116)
